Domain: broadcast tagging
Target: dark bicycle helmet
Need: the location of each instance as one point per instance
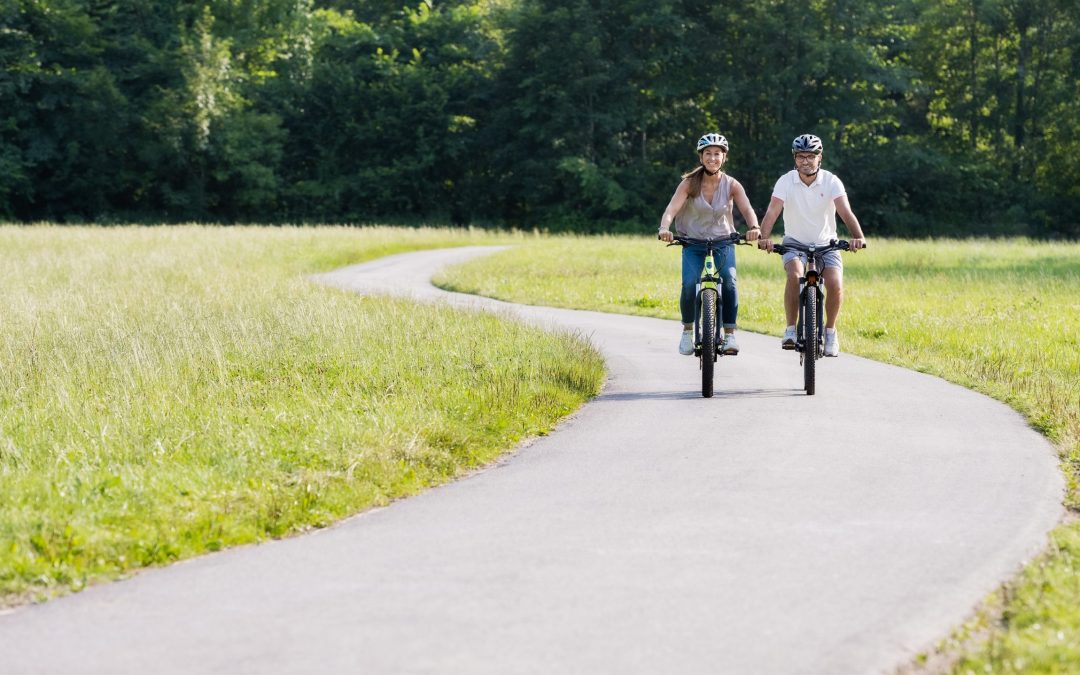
(806, 143)
(710, 140)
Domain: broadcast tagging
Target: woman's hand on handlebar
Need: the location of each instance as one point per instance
(856, 243)
(765, 244)
(664, 236)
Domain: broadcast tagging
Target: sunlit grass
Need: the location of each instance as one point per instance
(999, 317)
(1034, 622)
(171, 391)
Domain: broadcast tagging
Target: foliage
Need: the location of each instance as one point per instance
(955, 115)
(386, 122)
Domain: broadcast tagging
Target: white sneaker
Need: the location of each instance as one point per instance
(686, 343)
(731, 347)
(832, 344)
(789, 338)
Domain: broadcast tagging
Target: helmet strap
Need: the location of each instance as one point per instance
(707, 172)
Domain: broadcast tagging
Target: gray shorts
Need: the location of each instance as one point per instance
(826, 260)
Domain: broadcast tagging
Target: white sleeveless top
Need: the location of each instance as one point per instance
(700, 219)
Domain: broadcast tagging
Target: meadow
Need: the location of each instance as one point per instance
(998, 316)
(172, 391)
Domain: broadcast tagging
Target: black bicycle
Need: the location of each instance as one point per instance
(810, 328)
(708, 307)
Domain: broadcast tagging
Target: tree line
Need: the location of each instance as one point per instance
(942, 116)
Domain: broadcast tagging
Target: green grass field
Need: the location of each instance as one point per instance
(999, 317)
(172, 391)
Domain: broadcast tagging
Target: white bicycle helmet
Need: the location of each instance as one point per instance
(712, 140)
(806, 143)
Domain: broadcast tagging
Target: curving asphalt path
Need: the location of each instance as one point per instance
(653, 532)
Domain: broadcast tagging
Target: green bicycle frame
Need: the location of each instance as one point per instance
(710, 279)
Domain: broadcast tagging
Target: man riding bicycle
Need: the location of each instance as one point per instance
(810, 198)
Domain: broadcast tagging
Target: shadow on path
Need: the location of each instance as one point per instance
(693, 394)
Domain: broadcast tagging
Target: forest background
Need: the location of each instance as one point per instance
(944, 117)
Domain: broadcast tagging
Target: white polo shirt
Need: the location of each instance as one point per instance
(809, 210)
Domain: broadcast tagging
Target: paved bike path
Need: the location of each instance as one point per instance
(654, 531)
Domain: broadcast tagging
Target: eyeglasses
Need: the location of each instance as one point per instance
(805, 158)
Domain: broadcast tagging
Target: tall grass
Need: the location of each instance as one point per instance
(1001, 317)
(171, 391)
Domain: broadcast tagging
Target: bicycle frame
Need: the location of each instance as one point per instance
(708, 307)
(710, 279)
(810, 327)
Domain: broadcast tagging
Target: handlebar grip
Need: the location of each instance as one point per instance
(845, 245)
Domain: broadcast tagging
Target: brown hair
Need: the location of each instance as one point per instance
(693, 189)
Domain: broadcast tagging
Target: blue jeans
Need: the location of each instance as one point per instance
(693, 261)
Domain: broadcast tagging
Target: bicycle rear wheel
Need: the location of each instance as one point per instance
(708, 340)
(810, 348)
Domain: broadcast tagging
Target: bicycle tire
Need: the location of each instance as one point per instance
(708, 340)
(810, 349)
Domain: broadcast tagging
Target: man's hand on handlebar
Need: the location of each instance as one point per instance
(765, 244)
(664, 236)
(856, 243)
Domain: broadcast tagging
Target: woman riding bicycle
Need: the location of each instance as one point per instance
(701, 208)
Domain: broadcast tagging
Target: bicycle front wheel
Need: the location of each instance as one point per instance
(708, 340)
(810, 349)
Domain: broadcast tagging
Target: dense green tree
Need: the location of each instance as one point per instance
(942, 115)
(59, 140)
(222, 121)
(585, 140)
(998, 76)
(386, 122)
(833, 68)
(18, 73)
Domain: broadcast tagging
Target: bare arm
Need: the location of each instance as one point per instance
(672, 210)
(776, 205)
(743, 202)
(843, 208)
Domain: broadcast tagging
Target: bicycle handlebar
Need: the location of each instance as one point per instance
(834, 245)
(736, 238)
